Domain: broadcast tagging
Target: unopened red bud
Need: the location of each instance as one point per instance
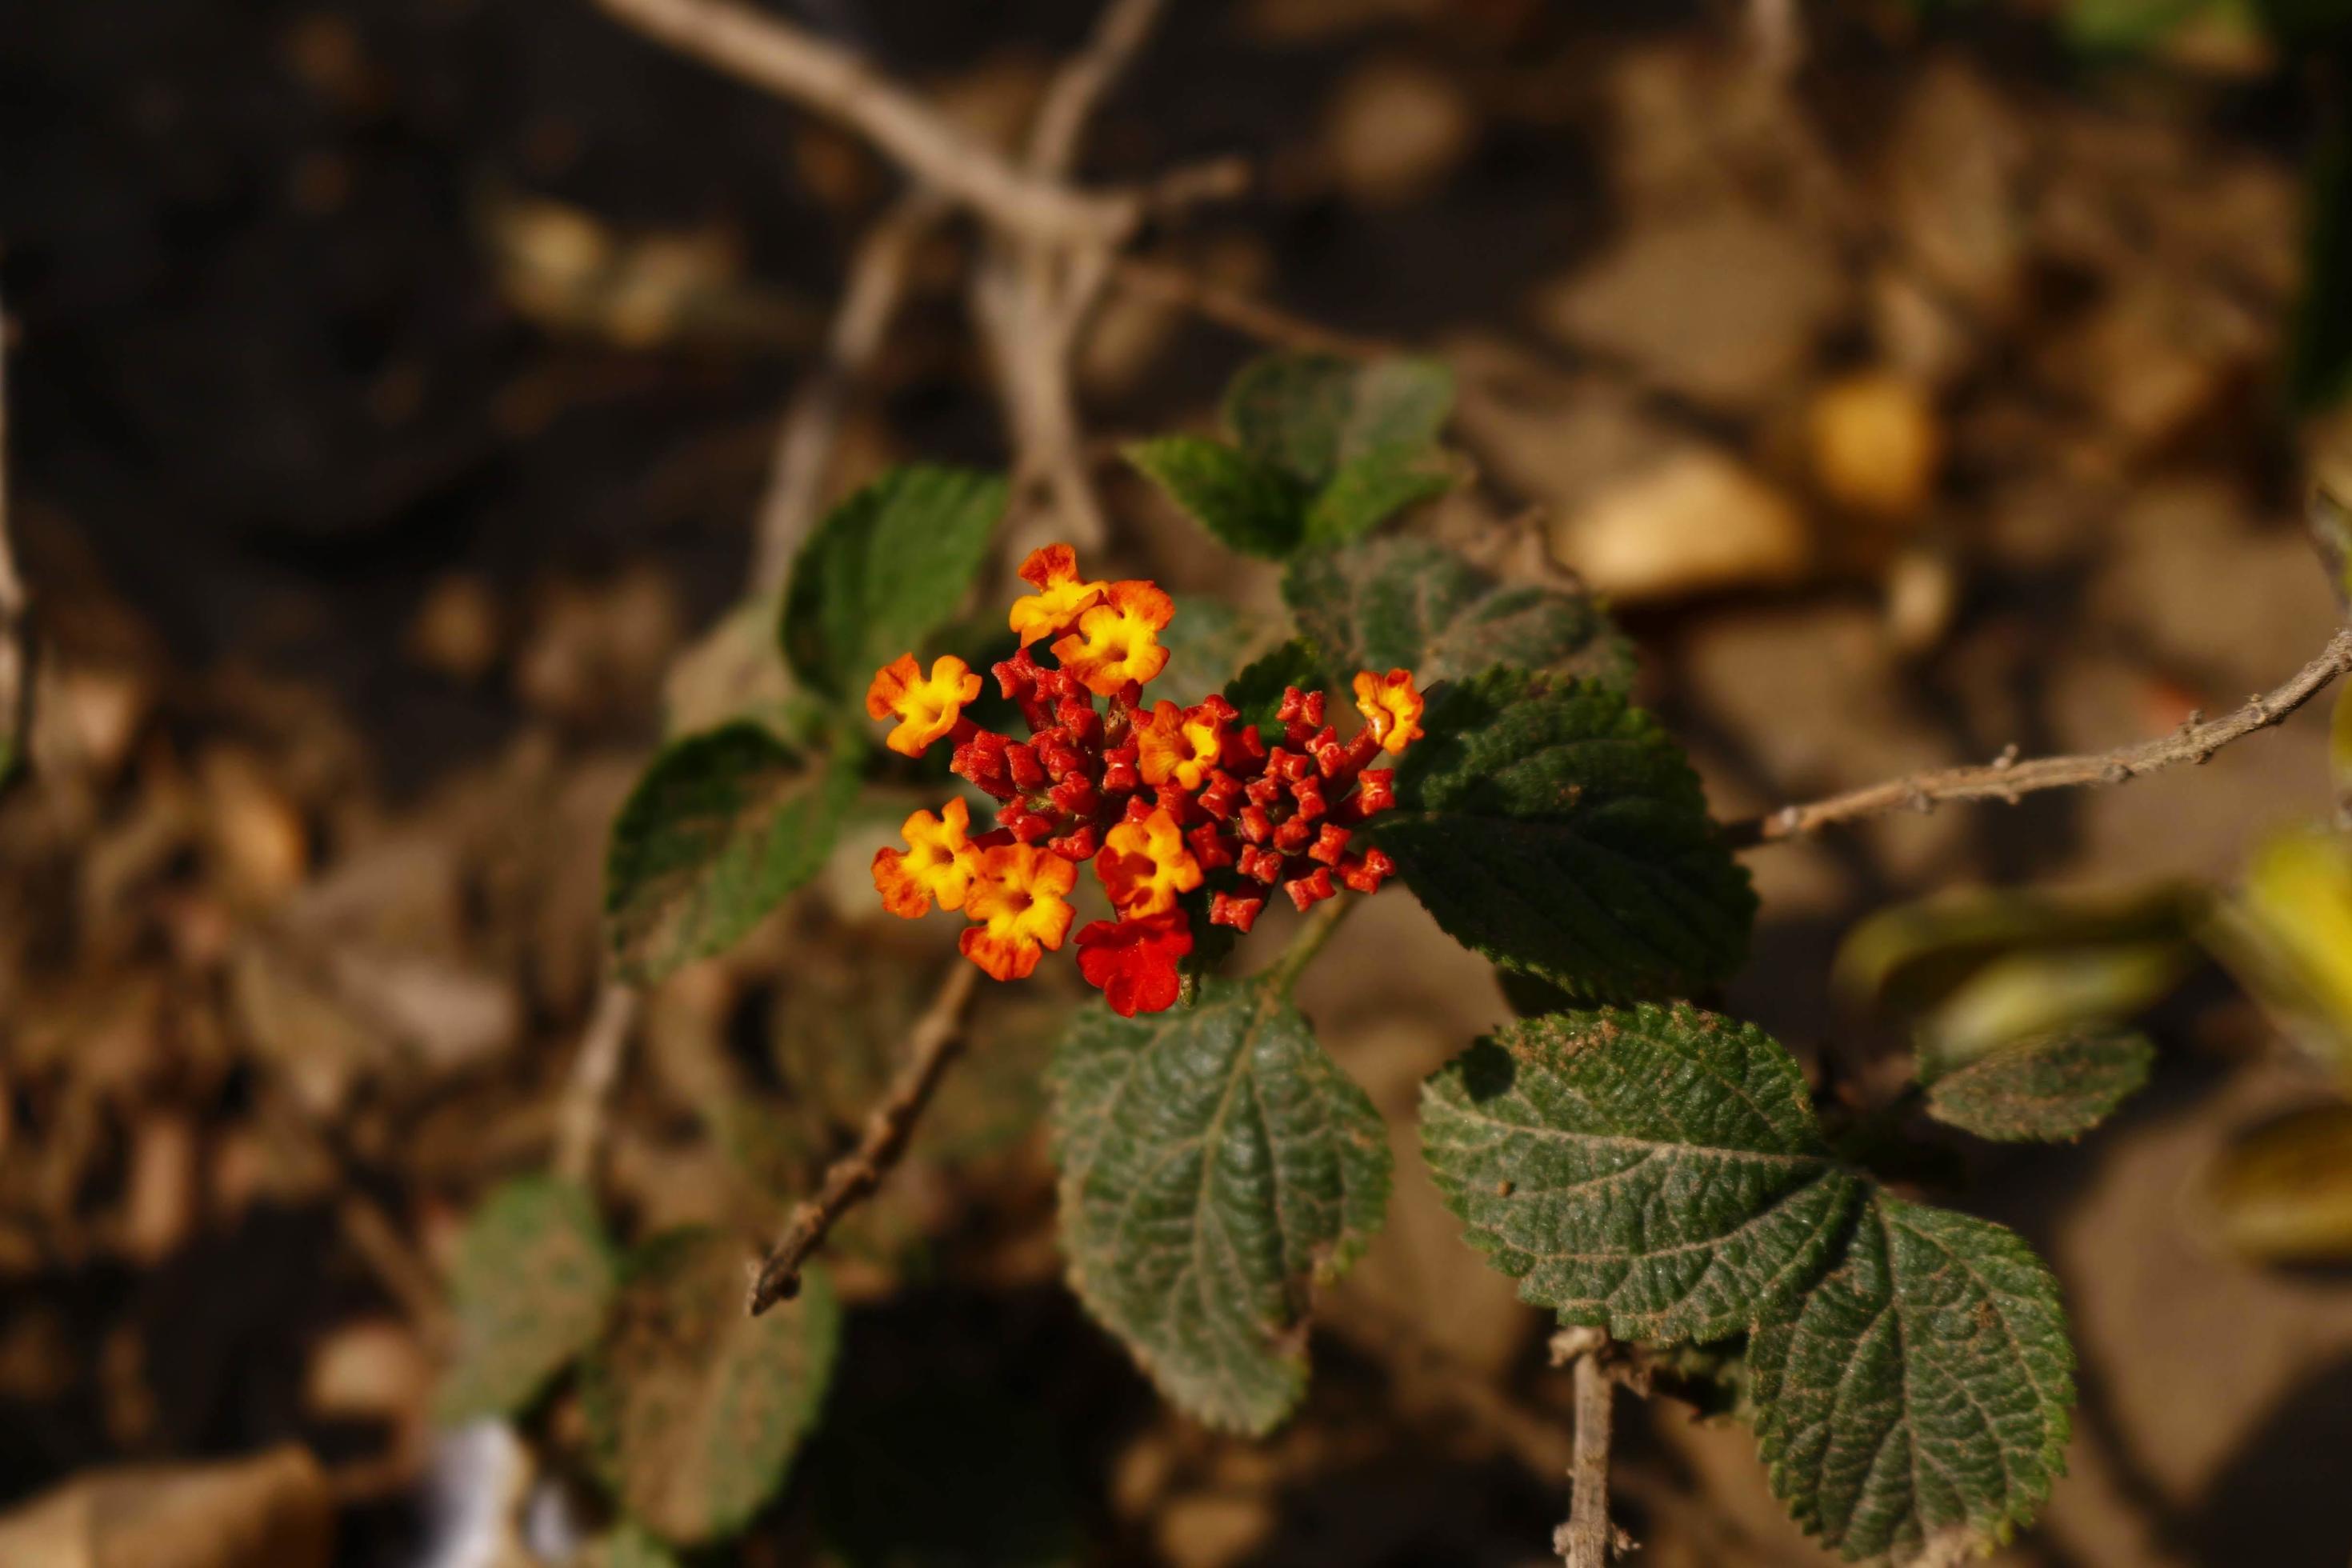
(981, 760)
(1259, 865)
(1223, 797)
(1293, 835)
(1264, 790)
(1021, 761)
(1076, 795)
(1330, 844)
(1027, 826)
(1212, 849)
(1309, 793)
(1255, 824)
(1016, 676)
(1138, 809)
(1366, 872)
(1079, 843)
(1242, 750)
(1375, 792)
(1226, 910)
(1310, 890)
(1119, 776)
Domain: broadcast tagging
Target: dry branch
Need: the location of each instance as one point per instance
(812, 426)
(1584, 1540)
(770, 52)
(580, 1118)
(2008, 779)
(1243, 313)
(935, 1041)
(1082, 84)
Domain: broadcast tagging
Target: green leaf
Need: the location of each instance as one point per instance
(720, 827)
(629, 1546)
(2048, 1088)
(1406, 604)
(1208, 643)
(2031, 993)
(1912, 957)
(2288, 937)
(2281, 1192)
(1215, 1166)
(1655, 1171)
(883, 570)
(1916, 1400)
(1246, 501)
(1256, 692)
(1559, 831)
(694, 1408)
(1313, 414)
(533, 1278)
(1375, 487)
(2126, 26)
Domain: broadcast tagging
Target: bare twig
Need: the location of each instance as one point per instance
(935, 1041)
(1033, 298)
(1584, 1540)
(1242, 314)
(1777, 29)
(812, 426)
(770, 52)
(1082, 84)
(580, 1119)
(2006, 779)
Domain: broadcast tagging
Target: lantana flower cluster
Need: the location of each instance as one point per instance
(1166, 801)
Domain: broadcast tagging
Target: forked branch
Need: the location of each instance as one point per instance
(771, 53)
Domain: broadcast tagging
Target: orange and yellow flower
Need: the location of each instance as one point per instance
(1391, 706)
(1177, 743)
(926, 708)
(1019, 906)
(938, 863)
(1062, 595)
(1144, 865)
(1118, 640)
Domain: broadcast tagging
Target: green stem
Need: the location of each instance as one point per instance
(1285, 970)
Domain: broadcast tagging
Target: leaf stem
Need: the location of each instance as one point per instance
(1285, 972)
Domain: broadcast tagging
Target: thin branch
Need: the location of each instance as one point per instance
(770, 52)
(1031, 300)
(1585, 1540)
(812, 426)
(1082, 84)
(1243, 313)
(935, 1041)
(1776, 29)
(2008, 779)
(580, 1119)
